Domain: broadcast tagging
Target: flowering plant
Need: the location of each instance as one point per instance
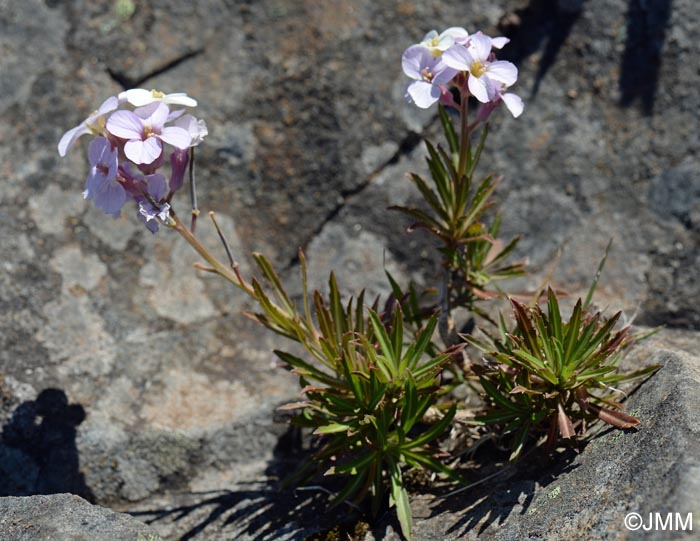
(372, 374)
(127, 152)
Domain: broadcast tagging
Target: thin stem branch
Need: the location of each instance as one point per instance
(220, 268)
(193, 193)
(463, 133)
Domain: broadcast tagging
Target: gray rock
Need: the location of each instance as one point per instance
(67, 517)
(652, 469)
(310, 141)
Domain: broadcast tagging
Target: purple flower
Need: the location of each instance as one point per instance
(92, 124)
(102, 184)
(430, 74)
(151, 209)
(179, 160)
(144, 130)
(475, 59)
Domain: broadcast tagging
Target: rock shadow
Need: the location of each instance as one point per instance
(641, 61)
(261, 510)
(38, 451)
(541, 25)
(492, 502)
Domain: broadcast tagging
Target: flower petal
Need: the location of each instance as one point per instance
(137, 97)
(180, 98)
(503, 72)
(99, 150)
(156, 186)
(109, 105)
(514, 104)
(423, 93)
(158, 117)
(478, 88)
(412, 61)
(70, 137)
(143, 152)
(457, 33)
(458, 58)
(111, 197)
(480, 46)
(178, 137)
(500, 42)
(125, 124)
(443, 74)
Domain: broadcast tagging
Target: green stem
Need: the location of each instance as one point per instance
(232, 275)
(463, 134)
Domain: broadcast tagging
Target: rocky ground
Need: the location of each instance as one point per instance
(134, 382)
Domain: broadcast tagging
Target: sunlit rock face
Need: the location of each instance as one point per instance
(309, 142)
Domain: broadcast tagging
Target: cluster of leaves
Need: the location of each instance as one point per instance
(473, 257)
(367, 392)
(553, 376)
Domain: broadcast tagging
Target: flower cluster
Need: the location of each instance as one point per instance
(466, 61)
(128, 151)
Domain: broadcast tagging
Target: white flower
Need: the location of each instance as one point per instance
(475, 59)
(196, 128)
(437, 44)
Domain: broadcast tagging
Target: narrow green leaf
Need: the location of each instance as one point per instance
(433, 432)
(479, 148)
(592, 289)
(384, 341)
(400, 498)
(449, 130)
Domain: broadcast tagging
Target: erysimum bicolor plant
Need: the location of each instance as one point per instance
(366, 383)
(551, 375)
(449, 68)
(371, 374)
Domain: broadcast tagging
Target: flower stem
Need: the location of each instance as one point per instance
(464, 133)
(230, 274)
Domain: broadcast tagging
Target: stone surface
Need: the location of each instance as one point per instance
(67, 517)
(139, 376)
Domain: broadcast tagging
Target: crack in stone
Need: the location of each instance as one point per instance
(406, 146)
(127, 82)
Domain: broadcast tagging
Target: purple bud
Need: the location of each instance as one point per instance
(179, 160)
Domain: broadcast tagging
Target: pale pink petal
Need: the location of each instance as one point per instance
(443, 74)
(143, 152)
(411, 62)
(174, 115)
(109, 105)
(126, 125)
(458, 33)
(158, 118)
(423, 93)
(503, 72)
(480, 46)
(145, 111)
(70, 137)
(178, 137)
(514, 104)
(500, 42)
(478, 88)
(457, 57)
